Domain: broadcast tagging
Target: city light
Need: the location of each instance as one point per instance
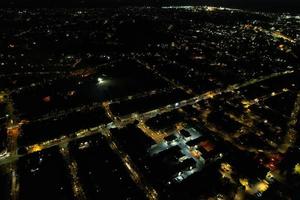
(100, 81)
(297, 169)
(138, 99)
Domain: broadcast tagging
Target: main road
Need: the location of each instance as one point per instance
(129, 119)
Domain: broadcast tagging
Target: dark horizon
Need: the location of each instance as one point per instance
(265, 5)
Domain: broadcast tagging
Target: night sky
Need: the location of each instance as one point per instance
(268, 5)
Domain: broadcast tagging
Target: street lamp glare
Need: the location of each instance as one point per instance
(100, 80)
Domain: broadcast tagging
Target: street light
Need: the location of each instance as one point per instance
(100, 81)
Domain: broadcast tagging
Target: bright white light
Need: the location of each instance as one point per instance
(100, 81)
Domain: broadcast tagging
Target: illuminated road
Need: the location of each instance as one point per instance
(72, 166)
(13, 132)
(291, 135)
(64, 113)
(140, 95)
(152, 70)
(134, 173)
(157, 136)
